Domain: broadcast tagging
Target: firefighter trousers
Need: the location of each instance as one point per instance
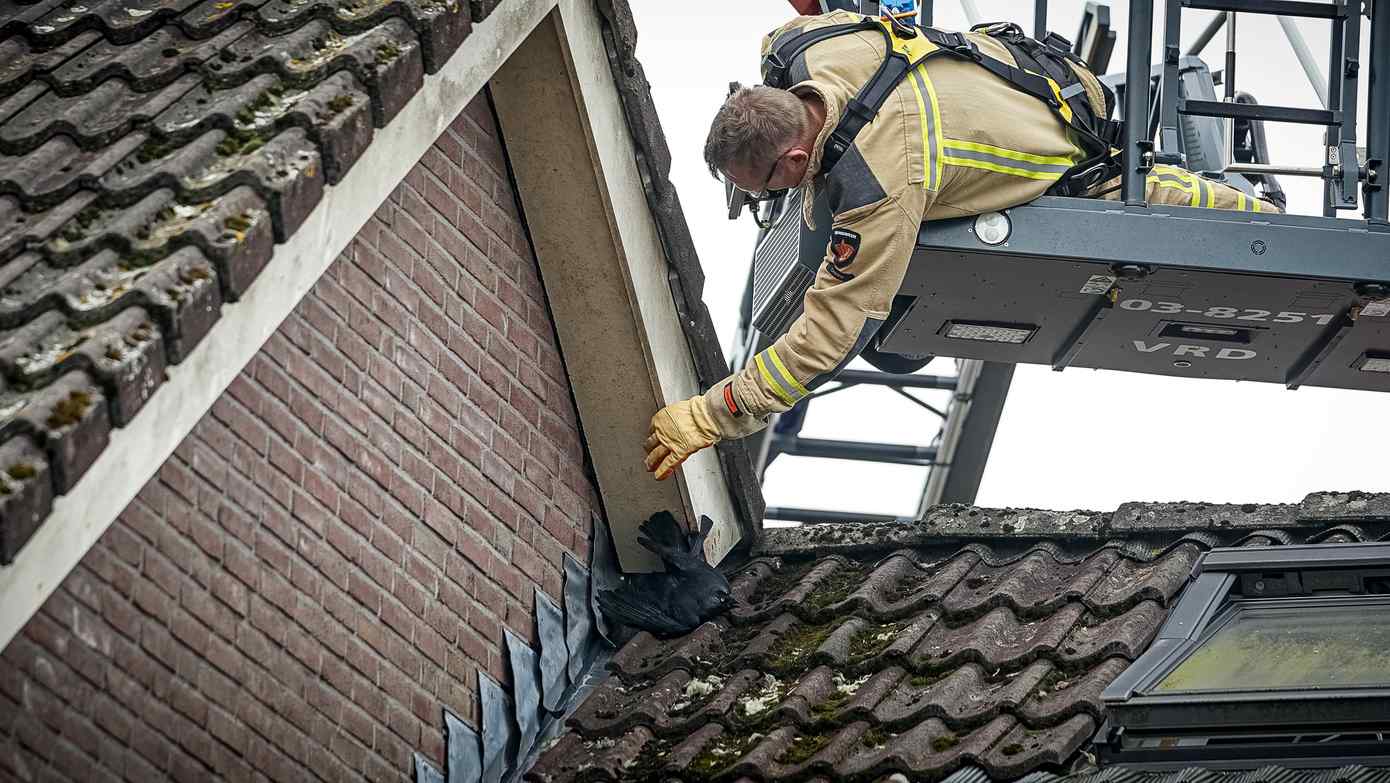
(1174, 185)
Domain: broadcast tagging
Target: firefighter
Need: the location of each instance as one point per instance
(949, 125)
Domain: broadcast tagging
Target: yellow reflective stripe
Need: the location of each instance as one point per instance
(772, 382)
(928, 160)
(1255, 205)
(1002, 152)
(1176, 179)
(999, 169)
(1208, 193)
(1240, 201)
(937, 142)
(801, 391)
(1171, 185)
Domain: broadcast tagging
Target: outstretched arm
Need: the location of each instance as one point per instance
(863, 267)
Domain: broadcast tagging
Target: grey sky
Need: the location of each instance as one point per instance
(1078, 439)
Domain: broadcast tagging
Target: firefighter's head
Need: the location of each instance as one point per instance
(761, 140)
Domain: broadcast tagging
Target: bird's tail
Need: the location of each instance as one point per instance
(662, 535)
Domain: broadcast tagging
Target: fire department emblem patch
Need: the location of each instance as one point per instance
(844, 246)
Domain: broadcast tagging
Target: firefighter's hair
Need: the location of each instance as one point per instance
(752, 128)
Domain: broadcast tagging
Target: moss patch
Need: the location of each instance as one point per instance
(803, 747)
(872, 640)
(69, 410)
(925, 680)
(722, 752)
(155, 149)
(944, 742)
(246, 116)
(340, 104)
(874, 738)
(239, 143)
(650, 761)
(1012, 749)
(906, 585)
(1055, 680)
(22, 471)
(835, 588)
(78, 227)
(772, 587)
(240, 222)
(827, 709)
(733, 641)
(387, 52)
(792, 653)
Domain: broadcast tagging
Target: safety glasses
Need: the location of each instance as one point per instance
(762, 193)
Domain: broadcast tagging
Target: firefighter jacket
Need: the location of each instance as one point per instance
(951, 140)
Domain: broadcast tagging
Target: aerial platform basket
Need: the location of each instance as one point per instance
(1164, 290)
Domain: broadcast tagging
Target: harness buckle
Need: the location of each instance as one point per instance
(1110, 131)
(1057, 43)
(835, 148)
(955, 43)
(860, 110)
(774, 71)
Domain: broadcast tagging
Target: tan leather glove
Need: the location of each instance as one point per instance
(679, 430)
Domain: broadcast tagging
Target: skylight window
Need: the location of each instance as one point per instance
(1274, 645)
(1279, 653)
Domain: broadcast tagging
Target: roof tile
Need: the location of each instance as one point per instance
(21, 61)
(149, 64)
(1060, 695)
(118, 20)
(1125, 634)
(94, 119)
(26, 493)
(126, 353)
(71, 418)
(1156, 580)
(997, 640)
(20, 228)
(1023, 749)
(1032, 587)
(964, 696)
(55, 170)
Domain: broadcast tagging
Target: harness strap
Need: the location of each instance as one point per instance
(1091, 123)
(776, 66)
(903, 54)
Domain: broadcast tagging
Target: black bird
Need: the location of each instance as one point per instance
(690, 592)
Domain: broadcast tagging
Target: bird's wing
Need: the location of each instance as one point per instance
(621, 606)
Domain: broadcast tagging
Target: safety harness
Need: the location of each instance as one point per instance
(1043, 72)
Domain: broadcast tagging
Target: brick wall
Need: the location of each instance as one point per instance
(332, 553)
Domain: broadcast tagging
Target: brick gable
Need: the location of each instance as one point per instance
(333, 552)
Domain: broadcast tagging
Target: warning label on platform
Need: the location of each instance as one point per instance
(1098, 284)
(1376, 309)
